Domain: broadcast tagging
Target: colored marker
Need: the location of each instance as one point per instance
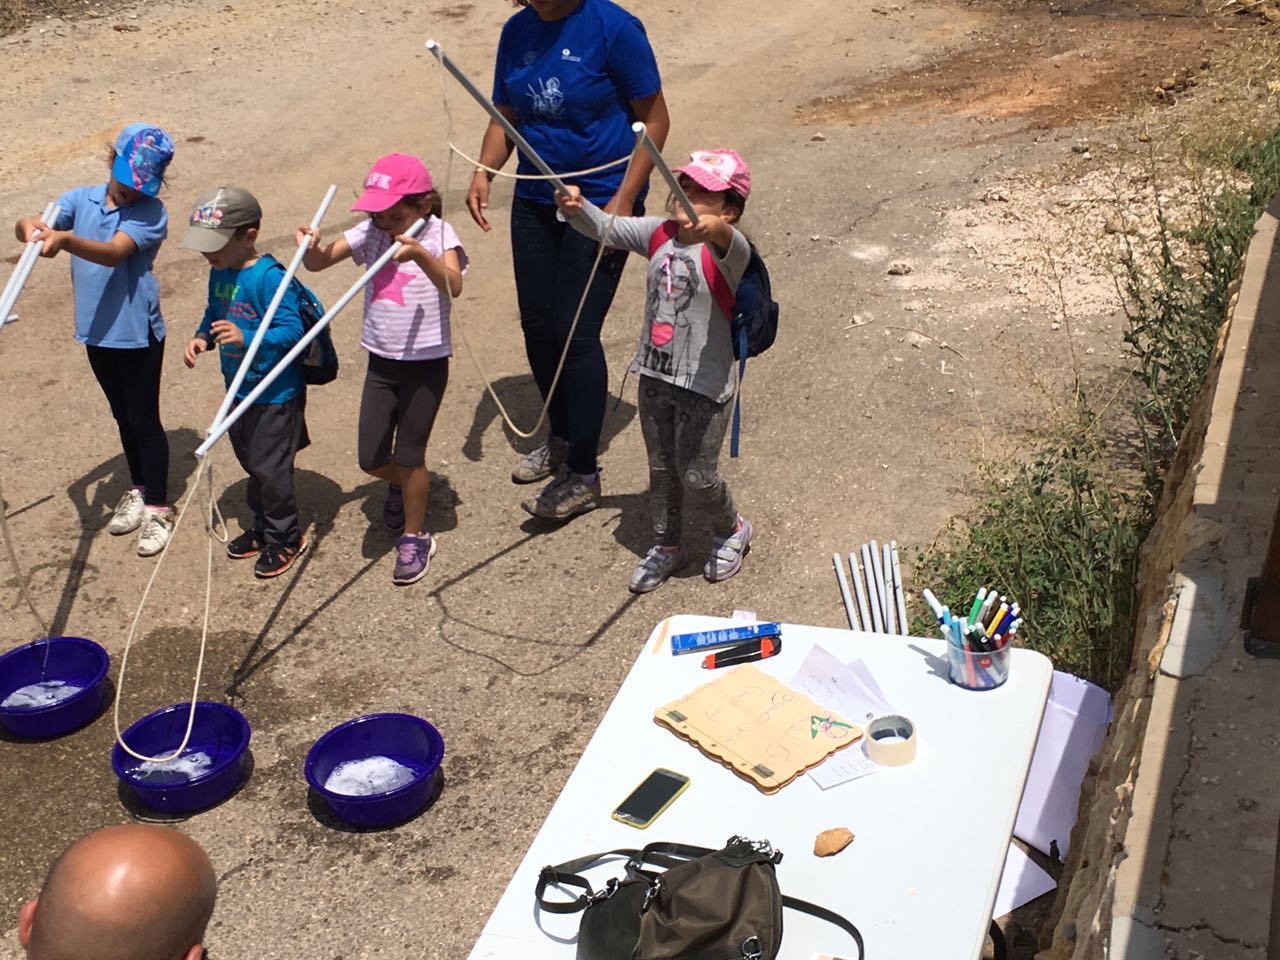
(977, 603)
(933, 603)
(995, 621)
(748, 653)
(969, 671)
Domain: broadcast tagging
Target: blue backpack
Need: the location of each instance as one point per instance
(753, 311)
(320, 362)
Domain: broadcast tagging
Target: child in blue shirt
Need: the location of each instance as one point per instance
(112, 232)
(224, 227)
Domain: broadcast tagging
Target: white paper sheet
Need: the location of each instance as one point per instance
(1021, 882)
(851, 691)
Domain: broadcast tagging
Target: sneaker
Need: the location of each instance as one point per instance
(413, 557)
(128, 513)
(393, 508)
(727, 552)
(276, 558)
(541, 463)
(566, 496)
(157, 527)
(248, 544)
(658, 564)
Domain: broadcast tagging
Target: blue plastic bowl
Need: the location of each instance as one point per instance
(219, 731)
(73, 660)
(404, 738)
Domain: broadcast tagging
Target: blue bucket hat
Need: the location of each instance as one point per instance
(142, 153)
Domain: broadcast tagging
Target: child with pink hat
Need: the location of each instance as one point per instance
(685, 358)
(406, 331)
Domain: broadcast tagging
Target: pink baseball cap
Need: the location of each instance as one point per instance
(393, 177)
(718, 170)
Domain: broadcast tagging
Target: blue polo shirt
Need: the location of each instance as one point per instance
(115, 306)
(570, 83)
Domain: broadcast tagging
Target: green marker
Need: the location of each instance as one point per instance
(977, 604)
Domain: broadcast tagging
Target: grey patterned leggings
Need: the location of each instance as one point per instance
(684, 432)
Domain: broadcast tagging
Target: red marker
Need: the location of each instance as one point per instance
(748, 653)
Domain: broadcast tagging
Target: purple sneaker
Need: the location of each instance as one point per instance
(413, 557)
(393, 508)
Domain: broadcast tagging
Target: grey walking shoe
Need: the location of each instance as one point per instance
(566, 496)
(727, 552)
(541, 462)
(129, 513)
(658, 564)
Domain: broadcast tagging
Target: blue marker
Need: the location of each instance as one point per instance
(704, 640)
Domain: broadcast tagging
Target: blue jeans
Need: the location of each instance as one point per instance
(552, 262)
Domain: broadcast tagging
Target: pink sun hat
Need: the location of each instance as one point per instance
(393, 177)
(718, 170)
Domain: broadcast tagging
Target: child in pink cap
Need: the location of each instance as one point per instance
(685, 357)
(406, 331)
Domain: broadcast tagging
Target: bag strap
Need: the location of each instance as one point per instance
(569, 874)
(735, 431)
(666, 231)
(720, 291)
(822, 913)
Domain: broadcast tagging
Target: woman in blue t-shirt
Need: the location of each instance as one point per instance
(572, 76)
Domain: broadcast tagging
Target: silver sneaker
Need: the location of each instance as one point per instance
(128, 513)
(564, 497)
(542, 462)
(727, 552)
(157, 527)
(658, 564)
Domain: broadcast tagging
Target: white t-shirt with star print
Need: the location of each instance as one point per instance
(406, 317)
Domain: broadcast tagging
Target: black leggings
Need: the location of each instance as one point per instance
(131, 380)
(552, 262)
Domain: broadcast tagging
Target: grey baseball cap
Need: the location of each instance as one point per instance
(216, 217)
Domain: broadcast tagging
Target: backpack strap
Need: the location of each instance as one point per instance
(720, 291)
(822, 913)
(735, 431)
(665, 233)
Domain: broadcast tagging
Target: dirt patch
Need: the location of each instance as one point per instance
(17, 14)
(1049, 68)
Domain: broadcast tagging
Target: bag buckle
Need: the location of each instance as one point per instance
(762, 847)
(609, 889)
(752, 949)
(651, 894)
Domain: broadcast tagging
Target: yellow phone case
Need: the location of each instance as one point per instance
(637, 824)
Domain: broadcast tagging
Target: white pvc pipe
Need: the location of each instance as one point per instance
(886, 578)
(22, 270)
(898, 598)
(512, 134)
(641, 131)
(844, 591)
(864, 611)
(272, 307)
(873, 592)
(301, 346)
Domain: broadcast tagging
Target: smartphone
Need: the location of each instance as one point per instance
(647, 801)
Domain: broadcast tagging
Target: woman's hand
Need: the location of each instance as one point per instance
(478, 199)
(308, 235)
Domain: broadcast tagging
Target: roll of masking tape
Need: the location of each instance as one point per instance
(891, 741)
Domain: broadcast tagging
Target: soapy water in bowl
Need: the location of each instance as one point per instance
(188, 766)
(43, 694)
(369, 776)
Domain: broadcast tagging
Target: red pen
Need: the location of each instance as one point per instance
(761, 650)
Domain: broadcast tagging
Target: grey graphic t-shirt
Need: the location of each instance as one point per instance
(686, 339)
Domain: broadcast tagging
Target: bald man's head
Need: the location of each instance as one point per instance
(124, 893)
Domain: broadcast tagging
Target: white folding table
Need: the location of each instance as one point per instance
(921, 876)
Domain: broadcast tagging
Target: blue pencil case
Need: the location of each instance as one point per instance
(710, 639)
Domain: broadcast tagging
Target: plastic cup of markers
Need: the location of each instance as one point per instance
(976, 670)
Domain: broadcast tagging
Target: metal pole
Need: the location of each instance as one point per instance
(22, 271)
(864, 611)
(642, 132)
(512, 134)
(899, 599)
(300, 347)
(886, 579)
(272, 307)
(844, 591)
(873, 593)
